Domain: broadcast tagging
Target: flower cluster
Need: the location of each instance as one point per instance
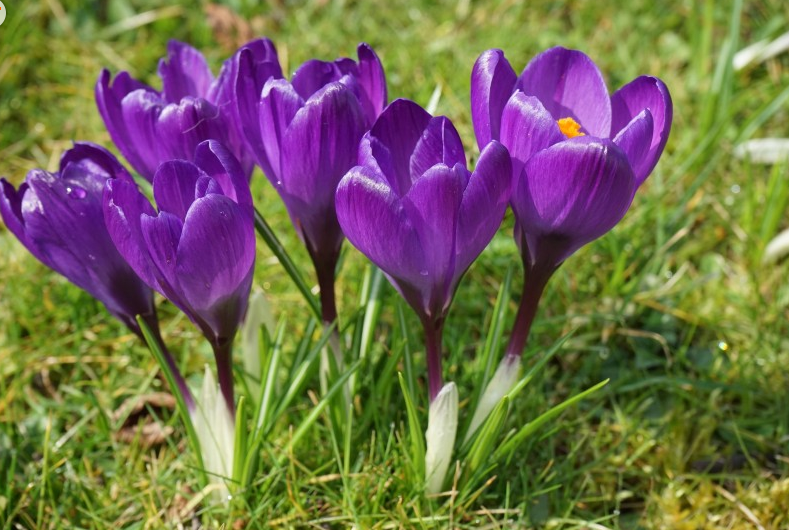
(554, 145)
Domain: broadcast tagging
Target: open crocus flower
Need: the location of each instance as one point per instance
(578, 157)
(199, 249)
(58, 217)
(413, 208)
(150, 127)
(305, 134)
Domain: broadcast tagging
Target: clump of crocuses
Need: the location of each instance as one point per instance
(553, 144)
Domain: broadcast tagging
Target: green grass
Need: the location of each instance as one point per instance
(674, 305)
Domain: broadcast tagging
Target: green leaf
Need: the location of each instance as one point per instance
(416, 433)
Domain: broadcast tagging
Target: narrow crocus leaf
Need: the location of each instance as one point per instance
(442, 427)
(503, 380)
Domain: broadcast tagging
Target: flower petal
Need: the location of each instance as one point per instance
(174, 187)
(160, 235)
(220, 164)
(11, 212)
(124, 206)
(526, 128)
(644, 93)
(372, 81)
(439, 144)
(393, 139)
(279, 104)
(432, 204)
(492, 84)
(571, 194)
(634, 139)
(375, 222)
(569, 84)
(141, 110)
(215, 260)
(313, 75)
(184, 73)
(484, 203)
(181, 127)
(320, 145)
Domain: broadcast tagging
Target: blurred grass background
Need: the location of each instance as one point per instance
(674, 305)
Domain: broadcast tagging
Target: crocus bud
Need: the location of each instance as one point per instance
(58, 217)
(442, 426)
(215, 428)
(150, 127)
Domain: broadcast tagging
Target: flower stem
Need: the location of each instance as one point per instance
(434, 330)
(180, 382)
(533, 287)
(223, 355)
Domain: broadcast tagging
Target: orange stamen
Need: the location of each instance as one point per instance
(570, 128)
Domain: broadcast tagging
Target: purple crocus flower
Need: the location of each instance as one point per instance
(150, 127)
(578, 154)
(59, 218)
(413, 208)
(305, 134)
(199, 249)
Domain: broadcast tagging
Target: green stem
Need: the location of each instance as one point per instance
(279, 251)
(156, 349)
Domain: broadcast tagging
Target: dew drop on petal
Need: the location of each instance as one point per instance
(423, 273)
(76, 192)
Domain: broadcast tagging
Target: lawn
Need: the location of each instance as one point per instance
(675, 306)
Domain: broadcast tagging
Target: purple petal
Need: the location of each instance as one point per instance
(433, 204)
(215, 259)
(314, 75)
(492, 84)
(141, 111)
(571, 194)
(320, 145)
(374, 221)
(393, 139)
(89, 161)
(109, 99)
(124, 206)
(11, 212)
(634, 139)
(182, 127)
(174, 187)
(569, 85)
(219, 164)
(484, 203)
(644, 93)
(279, 104)
(439, 144)
(184, 73)
(372, 81)
(526, 128)
(160, 236)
